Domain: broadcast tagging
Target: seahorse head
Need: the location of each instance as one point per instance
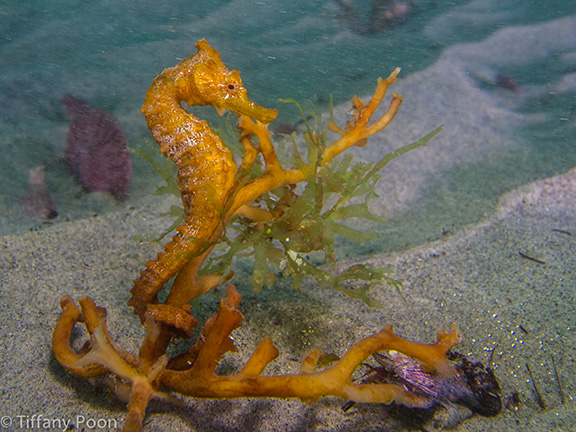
(207, 81)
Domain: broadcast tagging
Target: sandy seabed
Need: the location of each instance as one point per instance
(520, 309)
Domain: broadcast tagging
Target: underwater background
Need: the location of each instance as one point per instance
(499, 76)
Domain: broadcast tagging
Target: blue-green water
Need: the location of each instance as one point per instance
(108, 53)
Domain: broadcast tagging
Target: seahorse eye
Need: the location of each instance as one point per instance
(231, 86)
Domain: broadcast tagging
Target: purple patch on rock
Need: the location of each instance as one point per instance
(96, 149)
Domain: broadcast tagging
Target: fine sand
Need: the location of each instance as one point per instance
(519, 309)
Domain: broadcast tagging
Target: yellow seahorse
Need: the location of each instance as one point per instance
(206, 167)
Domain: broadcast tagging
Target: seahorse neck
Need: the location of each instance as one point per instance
(163, 111)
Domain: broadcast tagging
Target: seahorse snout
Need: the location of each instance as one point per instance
(245, 106)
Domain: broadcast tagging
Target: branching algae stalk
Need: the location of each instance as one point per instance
(216, 194)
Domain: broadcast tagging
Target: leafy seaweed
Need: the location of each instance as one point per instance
(300, 241)
(167, 170)
(162, 166)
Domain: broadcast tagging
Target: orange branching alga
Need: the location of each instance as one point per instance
(216, 194)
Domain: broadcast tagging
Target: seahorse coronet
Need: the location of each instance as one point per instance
(204, 163)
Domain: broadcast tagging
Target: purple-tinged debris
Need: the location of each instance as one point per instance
(38, 203)
(470, 384)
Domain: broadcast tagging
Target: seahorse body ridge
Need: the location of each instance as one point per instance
(205, 164)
